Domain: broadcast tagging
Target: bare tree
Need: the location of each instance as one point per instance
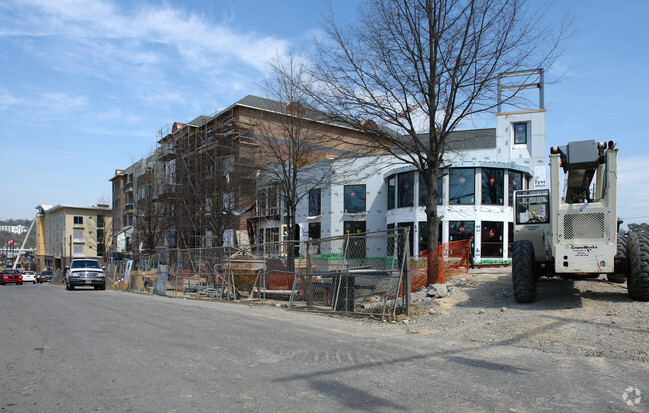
(149, 214)
(422, 67)
(291, 139)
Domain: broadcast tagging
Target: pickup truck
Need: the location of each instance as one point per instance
(85, 273)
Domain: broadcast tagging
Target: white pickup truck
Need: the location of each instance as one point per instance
(85, 273)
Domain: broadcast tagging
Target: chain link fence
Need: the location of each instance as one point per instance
(355, 274)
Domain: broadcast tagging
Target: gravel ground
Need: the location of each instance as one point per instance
(591, 317)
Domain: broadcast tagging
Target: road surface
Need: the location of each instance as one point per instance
(87, 350)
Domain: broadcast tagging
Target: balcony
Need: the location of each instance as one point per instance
(129, 207)
(128, 187)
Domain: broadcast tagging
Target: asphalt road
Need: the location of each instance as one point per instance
(87, 350)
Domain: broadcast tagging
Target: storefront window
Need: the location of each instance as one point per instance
(462, 186)
(493, 186)
(458, 230)
(515, 183)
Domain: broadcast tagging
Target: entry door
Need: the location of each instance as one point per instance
(492, 239)
(356, 248)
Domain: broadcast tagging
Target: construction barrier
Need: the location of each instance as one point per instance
(452, 258)
(363, 273)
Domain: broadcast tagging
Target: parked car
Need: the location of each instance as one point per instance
(44, 276)
(85, 273)
(11, 276)
(29, 277)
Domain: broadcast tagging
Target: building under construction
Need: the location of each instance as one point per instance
(206, 174)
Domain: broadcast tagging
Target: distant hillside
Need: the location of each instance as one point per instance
(24, 222)
(18, 239)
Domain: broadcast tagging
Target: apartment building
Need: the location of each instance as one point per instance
(201, 187)
(65, 232)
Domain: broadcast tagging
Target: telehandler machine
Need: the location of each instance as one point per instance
(576, 234)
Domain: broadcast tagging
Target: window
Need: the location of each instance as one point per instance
(423, 191)
(78, 220)
(78, 250)
(314, 230)
(462, 186)
(315, 203)
(100, 221)
(515, 183)
(532, 207)
(493, 190)
(78, 236)
(391, 192)
(314, 234)
(458, 230)
(354, 199)
(520, 133)
(406, 190)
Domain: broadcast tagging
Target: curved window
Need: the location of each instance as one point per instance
(493, 186)
(406, 190)
(515, 183)
(461, 186)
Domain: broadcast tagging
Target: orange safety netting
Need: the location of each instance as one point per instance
(452, 259)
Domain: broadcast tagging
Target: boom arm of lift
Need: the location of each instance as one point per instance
(580, 160)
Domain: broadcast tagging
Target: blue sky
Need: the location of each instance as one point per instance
(86, 84)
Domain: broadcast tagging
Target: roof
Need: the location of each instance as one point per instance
(270, 105)
(463, 140)
(199, 121)
(62, 206)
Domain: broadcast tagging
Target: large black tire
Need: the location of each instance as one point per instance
(638, 278)
(523, 277)
(621, 267)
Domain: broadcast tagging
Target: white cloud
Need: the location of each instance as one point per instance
(94, 22)
(45, 105)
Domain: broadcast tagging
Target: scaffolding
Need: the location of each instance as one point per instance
(207, 180)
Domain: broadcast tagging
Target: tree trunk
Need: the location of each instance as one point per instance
(432, 220)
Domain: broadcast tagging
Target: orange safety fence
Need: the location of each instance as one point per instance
(452, 258)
